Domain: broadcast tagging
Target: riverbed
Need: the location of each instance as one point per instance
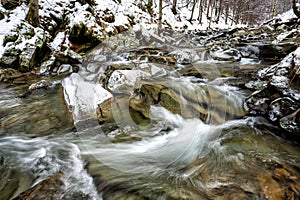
(194, 141)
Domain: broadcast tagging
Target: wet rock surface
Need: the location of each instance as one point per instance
(49, 189)
(153, 78)
(36, 105)
(279, 94)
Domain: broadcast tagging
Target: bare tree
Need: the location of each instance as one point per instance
(174, 5)
(160, 14)
(193, 9)
(200, 11)
(274, 8)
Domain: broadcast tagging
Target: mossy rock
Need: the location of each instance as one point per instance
(61, 23)
(29, 33)
(10, 58)
(2, 16)
(10, 38)
(10, 4)
(81, 34)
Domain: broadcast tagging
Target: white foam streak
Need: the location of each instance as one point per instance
(187, 140)
(44, 158)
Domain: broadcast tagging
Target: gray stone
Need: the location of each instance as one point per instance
(28, 58)
(48, 65)
(226, 55)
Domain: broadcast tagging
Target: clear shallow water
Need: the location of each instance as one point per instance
(229, 156)
(173, 159)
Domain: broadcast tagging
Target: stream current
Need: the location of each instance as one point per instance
(54, 132)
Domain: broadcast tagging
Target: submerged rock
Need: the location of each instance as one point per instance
(39, 85)
(270, 187)
(49, 189)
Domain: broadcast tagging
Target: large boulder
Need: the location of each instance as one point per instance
(204, 102)
(82, 98)
(80, 34)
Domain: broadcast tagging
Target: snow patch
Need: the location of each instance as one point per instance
(8, 24)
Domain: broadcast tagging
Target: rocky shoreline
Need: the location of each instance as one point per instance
(276, 95)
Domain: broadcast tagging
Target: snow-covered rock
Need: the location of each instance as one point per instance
(83, 98)
(279, 97)
(23, 47)
(124, 79)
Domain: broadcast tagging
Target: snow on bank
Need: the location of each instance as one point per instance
(178, 22)
(10, 23)
(285, 17)
(59, 16)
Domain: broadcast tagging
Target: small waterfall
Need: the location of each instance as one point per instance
(184, 142)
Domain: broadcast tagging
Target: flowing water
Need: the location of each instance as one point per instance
(224, 155)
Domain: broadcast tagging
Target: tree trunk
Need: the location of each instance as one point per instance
(274, 12)
(219, 10)
(200, 12)
(193, 9)
(32, 16)
(160, 14)
(174, 10)
(208, 7)
(226, 13)
(212, 3)
(295, 9)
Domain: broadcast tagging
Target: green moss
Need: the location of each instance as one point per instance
(10, 38)
(29, 33)
(80, 34)
(1, 15)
